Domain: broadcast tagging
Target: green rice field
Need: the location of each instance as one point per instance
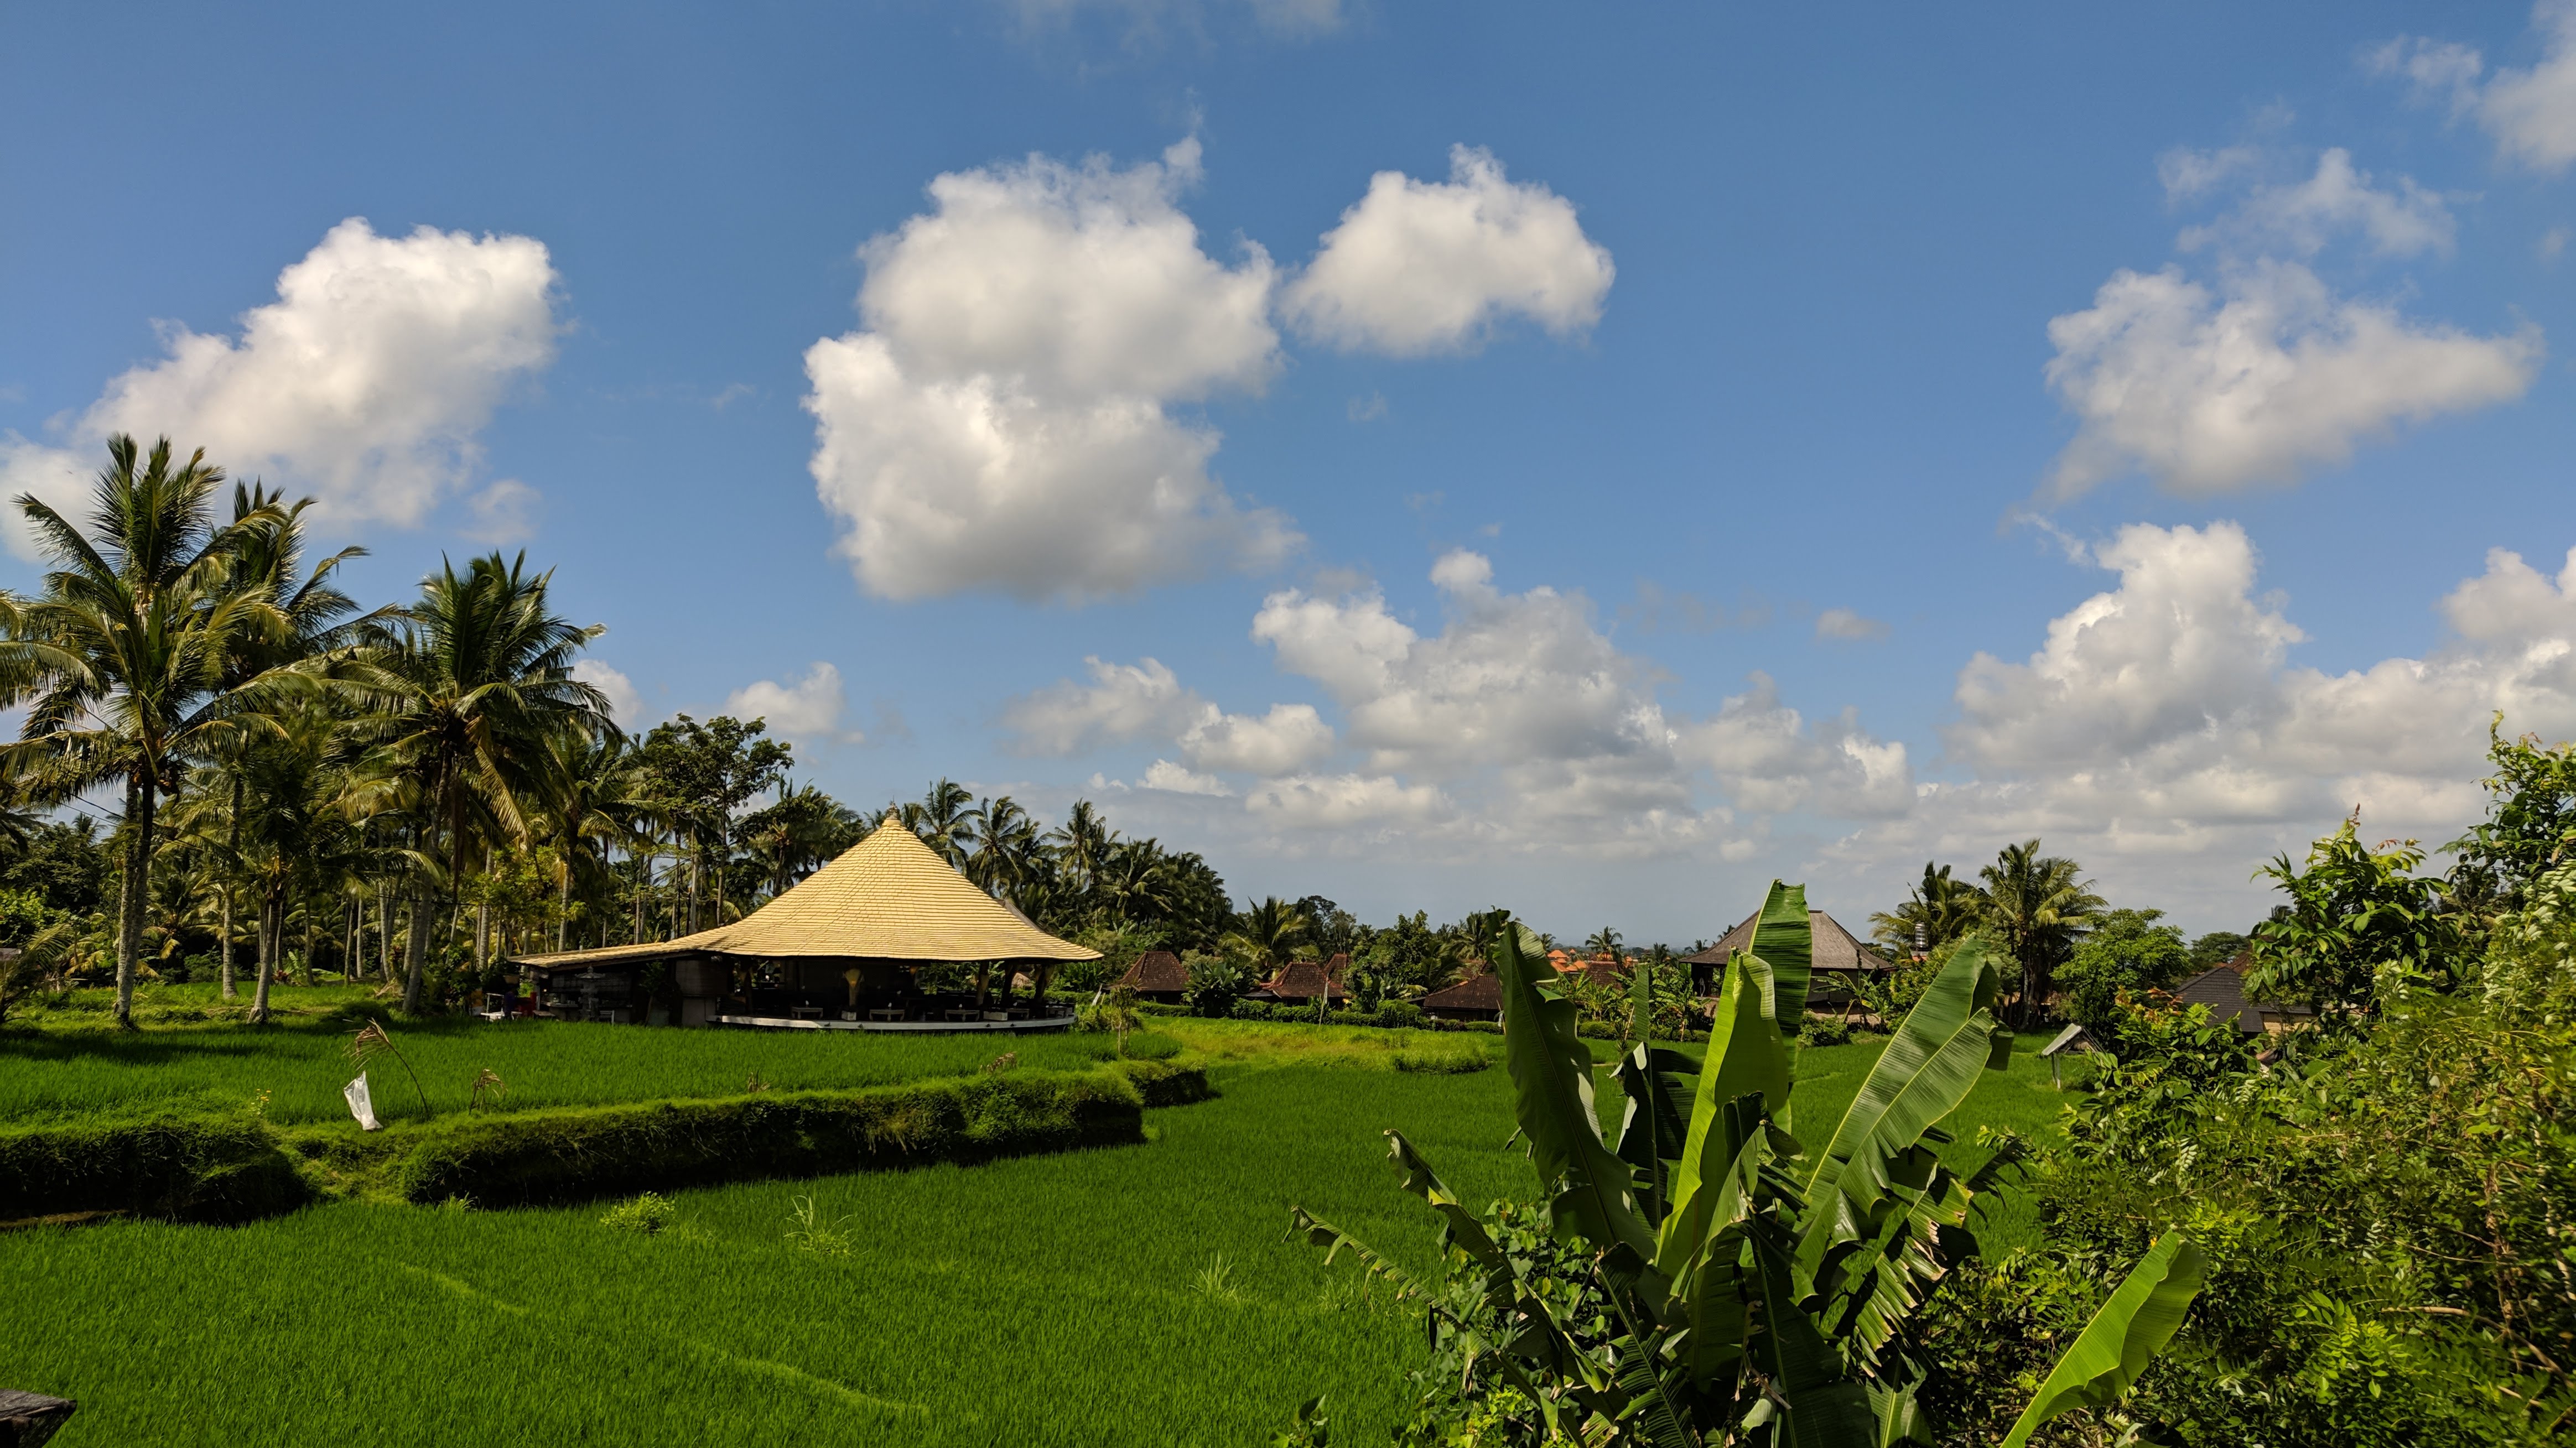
(1138, 1294)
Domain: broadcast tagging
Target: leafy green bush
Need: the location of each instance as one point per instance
(1399, 1015)
(1251, 1011)
(190, 1169)
(1825, 1031)
(1442, 1063)
(567, 1155)
(648, 1214)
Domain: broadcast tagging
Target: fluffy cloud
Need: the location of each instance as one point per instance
(1419, 267)
(1003, 420)
(1144, 701)
(505, 512)
(1172, 778)
(625, 701)
(2530, 112)
(366, 382)
(1518, 723)
(2402, 220)
(808, 710)
(1289, 737)
(1346, 801)
(2162, 727)
(2271, 375)
(1843, 623)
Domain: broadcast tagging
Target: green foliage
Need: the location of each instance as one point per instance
(2531, 815)
(1217, 982)
(2125, 953)
(1940, 912)
(814, 1235)
(1710, 1281)
(2386, 1212)
(2038, 911)
(647, 1214)
(2217, 948)
(2359, 929)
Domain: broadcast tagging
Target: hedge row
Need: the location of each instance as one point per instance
(189, 1169)
(230, 1170)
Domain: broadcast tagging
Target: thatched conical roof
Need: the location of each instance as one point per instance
(888, 897)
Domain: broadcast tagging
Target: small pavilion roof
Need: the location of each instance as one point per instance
(888, 897)
(1482, 991)
(1303, 980)
(1834, 949)
(1157, 970)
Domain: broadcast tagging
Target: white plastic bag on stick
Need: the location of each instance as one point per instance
(361, 1105)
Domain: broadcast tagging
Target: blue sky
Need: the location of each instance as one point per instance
(1724, 350)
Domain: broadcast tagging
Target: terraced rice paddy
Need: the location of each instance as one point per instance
(1138, 1294)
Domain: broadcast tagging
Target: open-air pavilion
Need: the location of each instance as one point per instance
(841, 950)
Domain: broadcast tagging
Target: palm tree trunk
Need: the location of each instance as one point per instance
(563, 904)
(267, 960)
(138, 864)
(232, 850)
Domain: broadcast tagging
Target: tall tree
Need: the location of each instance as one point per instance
(1270, 933)
(128, 660)
(2038, 909)
(467, 689)
(1939, 910)
(944, 820)
(600, 798)
(311, 618)
(704, 774)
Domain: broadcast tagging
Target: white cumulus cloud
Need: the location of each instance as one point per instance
(1172, 778)
(2530, 111)
(2399, 220)
(1844, 623)
(625, 701)
(1003, 421)
(2163, 735)
(366, 383)
(1346, 801)
(808, 710)
(1419, 267)
(2270, 375)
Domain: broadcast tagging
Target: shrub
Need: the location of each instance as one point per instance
(648, 1214)
(1442, 1063)
(189, 1169)
(1158, 1084)
(1825, 1031)
(1251, 1011)
(571, 1154)
(1399, 1015)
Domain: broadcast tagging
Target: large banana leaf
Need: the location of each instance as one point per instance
(1657, 1120)
(1745, 1058)
(1551, 1071)
(1785, 937)
(1919, 1078)
(2130, 1329)
(1827, 1407)
(1459, 1227)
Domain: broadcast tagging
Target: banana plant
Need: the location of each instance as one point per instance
(1754, 1290)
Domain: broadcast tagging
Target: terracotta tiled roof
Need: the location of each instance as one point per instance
(1156, 970)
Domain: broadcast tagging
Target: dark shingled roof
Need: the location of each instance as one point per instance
(1303, 980)
(1480, 992)
(1835, 948)
(1156, 970)
(2223, 991)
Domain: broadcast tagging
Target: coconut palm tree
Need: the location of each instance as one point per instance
(944, 820)
(1007, 859)
(1940, 908)
(2037, 910)
(1604, 942)
(600, 797)
(466, 690)
(312, 618)
(297, 837)
(130, 660)
(1271, 933)
(1081, 847)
